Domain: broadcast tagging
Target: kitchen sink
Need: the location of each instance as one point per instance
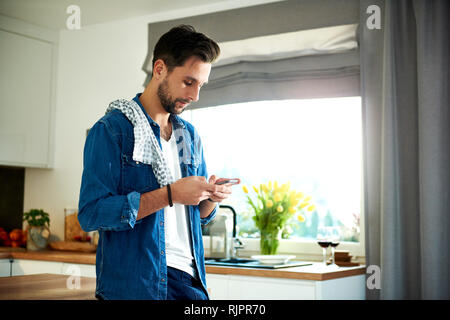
(251, 263)
(236, 260)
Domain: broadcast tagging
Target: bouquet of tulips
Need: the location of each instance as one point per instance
(274, 205)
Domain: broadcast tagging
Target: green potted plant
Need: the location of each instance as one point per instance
(38, 229)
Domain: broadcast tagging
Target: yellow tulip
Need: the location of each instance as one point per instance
(311, 207)
(245, 189)
(269, 203)
(280, 208)
(294, 202)
(301, 218)
(255, 188)
(265, 189)
(275, 185)
(304, 204)
(299, 195)
(270, 184)
(307, 199)
(292, 210)
(277, 197)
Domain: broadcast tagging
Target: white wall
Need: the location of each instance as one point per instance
(96, 65)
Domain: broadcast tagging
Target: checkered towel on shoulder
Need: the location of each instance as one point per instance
(146, 147)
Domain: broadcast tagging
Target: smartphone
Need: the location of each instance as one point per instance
(230, 181)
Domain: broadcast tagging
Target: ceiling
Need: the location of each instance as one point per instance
(52, 13)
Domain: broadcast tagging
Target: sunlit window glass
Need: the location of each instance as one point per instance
(315, 144)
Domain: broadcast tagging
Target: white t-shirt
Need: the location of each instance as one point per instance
(177, 222)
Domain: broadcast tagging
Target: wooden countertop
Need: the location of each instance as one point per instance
(51, 255)
(45, 287)
(317, 271)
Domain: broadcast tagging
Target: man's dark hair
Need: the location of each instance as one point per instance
(181, 43)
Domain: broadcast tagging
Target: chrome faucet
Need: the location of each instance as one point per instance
(237, 244)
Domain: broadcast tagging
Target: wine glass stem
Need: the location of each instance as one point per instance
(324, 250)
(332, 254)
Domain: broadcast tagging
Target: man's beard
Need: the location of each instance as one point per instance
(166, 101)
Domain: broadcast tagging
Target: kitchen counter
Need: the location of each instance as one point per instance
(51, 255)
(45, 287)
(317, 271)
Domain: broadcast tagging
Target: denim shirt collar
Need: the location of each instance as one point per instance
(176, 121)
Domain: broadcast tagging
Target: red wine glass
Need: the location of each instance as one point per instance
(323, 240)
(334, 239)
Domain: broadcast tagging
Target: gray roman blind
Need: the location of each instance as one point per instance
(327, 69)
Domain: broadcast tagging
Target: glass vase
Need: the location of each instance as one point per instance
(270, 240)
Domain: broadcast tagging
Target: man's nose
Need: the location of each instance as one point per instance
(194, 94)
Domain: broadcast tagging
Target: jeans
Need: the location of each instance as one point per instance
(182, 286)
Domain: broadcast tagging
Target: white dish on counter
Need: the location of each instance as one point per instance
(273, 259)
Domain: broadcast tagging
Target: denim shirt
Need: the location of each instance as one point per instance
(131, 261)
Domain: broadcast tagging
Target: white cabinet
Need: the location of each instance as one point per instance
(27, 93)
(5, 268)
(347, 288)
(22, 267)
(217, 286)
(237, 287)
(262, 288)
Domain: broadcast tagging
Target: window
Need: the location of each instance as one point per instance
(314, 144)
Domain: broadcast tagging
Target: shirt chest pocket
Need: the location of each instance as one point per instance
(189, 154)
(189, 165)
(136, 176)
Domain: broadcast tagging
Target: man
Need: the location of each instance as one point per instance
(146, 191)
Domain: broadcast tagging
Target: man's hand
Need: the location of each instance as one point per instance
(222, 194)
(192, 190)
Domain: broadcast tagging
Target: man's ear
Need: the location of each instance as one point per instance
(159, 69)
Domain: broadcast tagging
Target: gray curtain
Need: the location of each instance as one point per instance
(405, 94)
(304, 77)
